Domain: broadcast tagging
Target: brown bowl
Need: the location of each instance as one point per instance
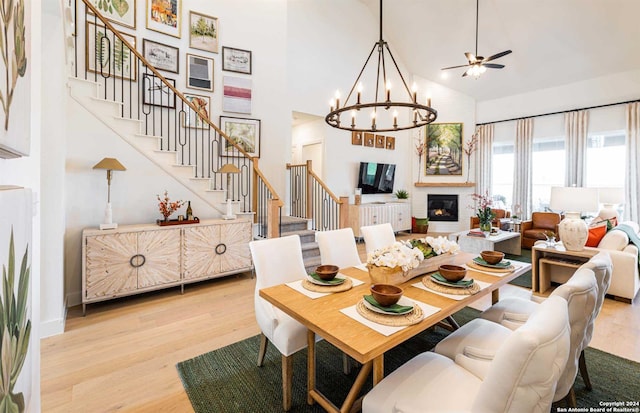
(492, 257)
(453, 273)
(386, 294)
(327, 272)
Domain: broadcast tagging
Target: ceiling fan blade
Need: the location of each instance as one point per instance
(453, 67)
(496, 56)
(492, 65)
(470, 57)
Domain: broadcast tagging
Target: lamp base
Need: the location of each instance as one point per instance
(113, 225)
(573, 232)
(229, 214)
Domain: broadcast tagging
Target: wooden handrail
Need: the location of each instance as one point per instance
(317, 178)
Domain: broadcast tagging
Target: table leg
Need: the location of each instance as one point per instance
(311, 365)
(495, 296)
(378, 369)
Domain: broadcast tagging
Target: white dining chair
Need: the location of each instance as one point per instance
(377, 236)
(338, 247)
(277, 261)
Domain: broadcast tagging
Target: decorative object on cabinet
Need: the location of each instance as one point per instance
(229, 169)
(161, 56)
(243, 132)
(156, 93)
(236, 96)
(110, 164)
(106, 53)
(356, 138)
(166, 207)
(191, 119)
(164, 16)
(199, 72)
(139, 258)
(236, 60)
(443, 143)
(391, 143)
(122, 12)
(572, 230)
(402, 194)
(203, 32)
(398, 214)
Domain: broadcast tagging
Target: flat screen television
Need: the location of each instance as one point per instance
(376, 178)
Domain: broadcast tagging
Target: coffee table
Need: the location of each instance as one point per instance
(505, 241)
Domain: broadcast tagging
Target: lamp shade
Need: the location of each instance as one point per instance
(110, 164)
(611, 195)
(228, 169)
(574, 199)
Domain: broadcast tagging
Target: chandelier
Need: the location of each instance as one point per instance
(385, 112)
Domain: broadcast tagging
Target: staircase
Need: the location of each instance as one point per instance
(310, 250)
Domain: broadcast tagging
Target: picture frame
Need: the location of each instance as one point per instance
(391, 143)
(120, 60)
(369, 139)
(122, 12)
(443, 149)
(192, 119)
(236, 95)
(199, 72)
(156, 93)
(356, 138)
(236, 60)
(161, 56)
(244, 132)
(380, 141)
(163, 19)
(203, 32)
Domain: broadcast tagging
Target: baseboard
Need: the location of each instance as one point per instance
(53, 327)
(73, 299)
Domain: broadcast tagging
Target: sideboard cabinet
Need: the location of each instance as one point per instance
(398, 214)
(137, 258)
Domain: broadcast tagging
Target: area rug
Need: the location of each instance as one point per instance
(228, 380)
(525, 279)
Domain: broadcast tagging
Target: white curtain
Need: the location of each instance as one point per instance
(632, 182)
(485, 153)
(523, 149)
(575, 127)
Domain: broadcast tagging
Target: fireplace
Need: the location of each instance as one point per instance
(442, 207)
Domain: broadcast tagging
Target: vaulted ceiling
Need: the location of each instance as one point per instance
(554, 42)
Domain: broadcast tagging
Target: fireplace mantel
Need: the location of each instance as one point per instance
(445, 184)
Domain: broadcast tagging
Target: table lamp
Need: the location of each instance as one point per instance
(572, 229)
(609, 198)
(229, 169)
(110, 164)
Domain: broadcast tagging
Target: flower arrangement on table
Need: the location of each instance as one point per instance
(431, 247)
(166, 206)
(484, 212)
(398, 254)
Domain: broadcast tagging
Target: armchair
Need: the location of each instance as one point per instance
(533, 229)
(474, 222)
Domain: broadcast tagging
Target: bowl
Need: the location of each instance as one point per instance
(327, 272)
(492, 257)
(386, 294)
(452, 273)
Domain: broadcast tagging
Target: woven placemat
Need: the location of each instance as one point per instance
(476, 266)
(472, 289)
(408, 319)
(316, 288)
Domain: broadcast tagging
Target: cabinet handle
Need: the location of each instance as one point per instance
(221, 249)
(138, 263)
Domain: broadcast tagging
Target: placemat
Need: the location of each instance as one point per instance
(472, 289)
(346, 285)
(413, 317)
(475, 266)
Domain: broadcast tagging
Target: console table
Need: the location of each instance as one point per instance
(398, 214)
(554, 263)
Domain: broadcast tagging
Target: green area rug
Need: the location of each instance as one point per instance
(228, 380)
(525, 279)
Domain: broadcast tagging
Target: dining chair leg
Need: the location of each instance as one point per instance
(582, 364)
(287, 378)
(570, 399)
(263, 349)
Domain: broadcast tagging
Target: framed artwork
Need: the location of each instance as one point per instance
(237, 94)
(199, 72)
(192, 119)
(203, 32)
(236, 60)
(443, 149)
(161, 56)
(369, 139)
(107, 54)
(156, 93)
(380, 140)
(164, 16)
(244, 133)
(356, 138)
(391, 143)
(122, 12)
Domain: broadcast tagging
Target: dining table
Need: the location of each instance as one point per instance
(333, 317)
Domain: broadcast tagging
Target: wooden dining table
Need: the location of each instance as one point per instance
(322, 317)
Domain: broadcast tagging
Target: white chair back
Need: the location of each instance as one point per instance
(338, 247)
(377, 236)
(602, 268)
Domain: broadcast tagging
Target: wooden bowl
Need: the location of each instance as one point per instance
(327, 272)
(452, 273)
(386, 294)
(492, 257)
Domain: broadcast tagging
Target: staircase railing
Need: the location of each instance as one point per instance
(180, 121)
(312, 199)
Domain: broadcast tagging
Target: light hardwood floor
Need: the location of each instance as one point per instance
(121, 356)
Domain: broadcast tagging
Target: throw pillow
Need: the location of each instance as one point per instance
(595, 235)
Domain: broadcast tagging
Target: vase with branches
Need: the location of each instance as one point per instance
(420, 150)
(469, 148)
(484, 212)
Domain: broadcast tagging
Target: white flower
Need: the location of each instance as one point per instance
(396, 255)
(442, 245)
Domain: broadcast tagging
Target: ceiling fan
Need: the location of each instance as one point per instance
(479, 64)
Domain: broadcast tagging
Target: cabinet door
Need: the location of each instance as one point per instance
(108, 271)
(199, 251)
(158, 259)
(235, 237)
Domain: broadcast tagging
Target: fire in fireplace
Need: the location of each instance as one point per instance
(442, 207)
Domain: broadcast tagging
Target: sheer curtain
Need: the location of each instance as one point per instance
(523, 149)
(485, 152)
(632, 183)
(575, 127)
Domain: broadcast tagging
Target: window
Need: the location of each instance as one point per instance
(548, 164)
(502, 172)
(605, 163)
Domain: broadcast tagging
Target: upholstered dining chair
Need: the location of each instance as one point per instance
(338, 247)
(277, 261)
(518, 376)
(377, 236)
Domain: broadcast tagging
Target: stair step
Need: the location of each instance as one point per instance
(311, 263)
(289, 223)
(306, 235)
(310, 249)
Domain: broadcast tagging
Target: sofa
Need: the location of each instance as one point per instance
(534, 229)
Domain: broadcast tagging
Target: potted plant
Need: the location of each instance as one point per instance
(420, 225)
(402, 194)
